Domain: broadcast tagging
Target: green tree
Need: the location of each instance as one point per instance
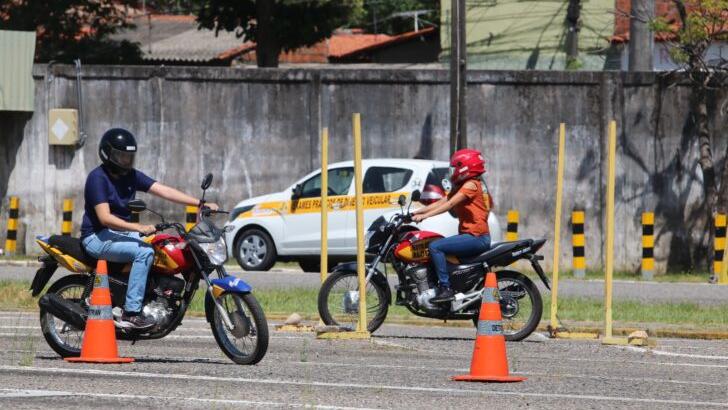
(396, 16)
(278, 25)
(70, 29)
(701, 23)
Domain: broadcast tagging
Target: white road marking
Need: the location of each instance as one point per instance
(453, 369)
(185, 377)
(672, 354)
(23, 393)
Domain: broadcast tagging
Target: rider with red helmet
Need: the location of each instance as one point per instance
(466, 200)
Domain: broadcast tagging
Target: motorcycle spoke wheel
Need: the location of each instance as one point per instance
(520, 303)
(247, 341)
(343, 301)
(63, 337)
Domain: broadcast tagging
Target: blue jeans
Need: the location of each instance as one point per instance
(458, 245)
(124, 247)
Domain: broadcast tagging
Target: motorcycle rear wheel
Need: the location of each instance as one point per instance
(247, 342)
(518, 293)
(63, 338)
(332, 304)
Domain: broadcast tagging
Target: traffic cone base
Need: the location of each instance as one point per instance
(490, 361)
(498, 379)
(99, 337)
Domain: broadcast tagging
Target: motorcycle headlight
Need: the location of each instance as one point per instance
(216, 251)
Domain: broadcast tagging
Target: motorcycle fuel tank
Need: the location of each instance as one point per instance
(413, 247)
(169, 254)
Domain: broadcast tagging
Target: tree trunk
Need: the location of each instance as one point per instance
(573, 25)
(700, 118)
(723, 192)
(267, 46)
(640, 36)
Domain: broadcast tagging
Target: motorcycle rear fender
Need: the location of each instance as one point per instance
(43, 275)
(229, 284)
(378, 278)
(67, 261)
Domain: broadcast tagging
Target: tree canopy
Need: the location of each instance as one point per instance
(70, 29)
(278, 25)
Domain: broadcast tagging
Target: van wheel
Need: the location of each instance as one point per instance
(255, 250)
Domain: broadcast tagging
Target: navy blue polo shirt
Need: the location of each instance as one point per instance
(116, 191)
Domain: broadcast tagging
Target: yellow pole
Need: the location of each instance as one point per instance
(360, 257)
(360, 262)
(557, 228)
(324, 203)
(609, 268)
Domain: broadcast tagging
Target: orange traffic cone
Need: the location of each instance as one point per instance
(490, 361)
(99, 339)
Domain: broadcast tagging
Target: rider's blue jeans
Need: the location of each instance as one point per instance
(124, 247)
(458, 245)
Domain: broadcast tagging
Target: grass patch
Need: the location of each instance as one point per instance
(592, 310)
(14, 295)
(687, 277)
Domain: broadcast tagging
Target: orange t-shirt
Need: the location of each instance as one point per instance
(472, 213)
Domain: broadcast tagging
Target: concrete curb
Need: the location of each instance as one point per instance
(660, 332)
(30, 263)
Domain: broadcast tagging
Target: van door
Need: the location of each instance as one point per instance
(382, 186)
(302, 224)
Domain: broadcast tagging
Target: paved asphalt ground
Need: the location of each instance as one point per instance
(642, 291)
(402, 367)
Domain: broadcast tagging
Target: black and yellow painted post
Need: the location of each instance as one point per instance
(578, 243)
(191, 217)
(67, 224)
(12, 237)
(648, 245)
(512, 227)
(134, 217)
(719, 245)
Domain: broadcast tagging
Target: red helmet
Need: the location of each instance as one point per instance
(466, 164)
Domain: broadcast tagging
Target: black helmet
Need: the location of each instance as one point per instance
(117, 150)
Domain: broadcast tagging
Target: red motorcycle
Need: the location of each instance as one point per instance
(402, 245)
(181, 260)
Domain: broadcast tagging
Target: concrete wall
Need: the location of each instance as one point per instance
(257, 131)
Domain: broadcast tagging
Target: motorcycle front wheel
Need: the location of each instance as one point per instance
(247, 342)
(521, 305)
(338, 301)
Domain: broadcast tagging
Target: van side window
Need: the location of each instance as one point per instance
(339, 182)
(385, 179)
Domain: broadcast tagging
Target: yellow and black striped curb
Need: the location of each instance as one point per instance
(648, 245)
(578, 244)
(190, 217)
(12, 236)
(67, 224)
(512, 227)
(719, 243)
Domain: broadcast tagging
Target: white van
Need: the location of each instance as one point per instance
(286, 226)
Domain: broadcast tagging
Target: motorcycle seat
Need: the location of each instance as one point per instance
(72, 247)
(497, 249)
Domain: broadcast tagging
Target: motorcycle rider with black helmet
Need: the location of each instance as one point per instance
(106, 231)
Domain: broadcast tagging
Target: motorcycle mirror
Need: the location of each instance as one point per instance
(446, 185)
(416, 195)
(206, 181)
(136, 205)
(297, 192)
(402, 200)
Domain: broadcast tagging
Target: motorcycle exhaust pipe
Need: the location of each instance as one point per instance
(63, 309)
